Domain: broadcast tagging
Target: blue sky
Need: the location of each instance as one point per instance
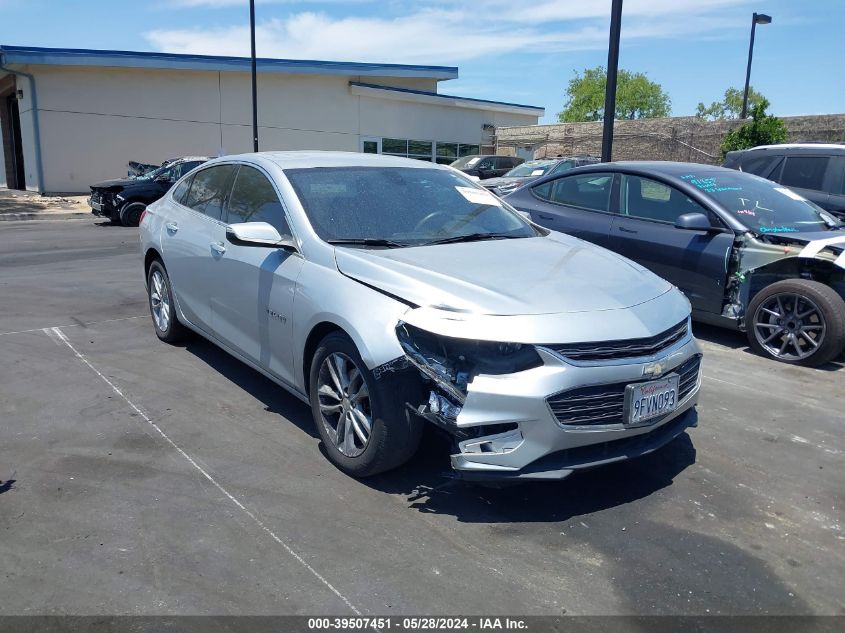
(521, 51)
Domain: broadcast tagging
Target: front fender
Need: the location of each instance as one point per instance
(368, 316)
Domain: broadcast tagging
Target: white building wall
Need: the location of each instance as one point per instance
(95, 120)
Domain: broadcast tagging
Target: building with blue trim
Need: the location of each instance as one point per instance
(71, 117)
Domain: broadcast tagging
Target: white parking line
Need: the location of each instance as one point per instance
(86, 324)
(56, 332)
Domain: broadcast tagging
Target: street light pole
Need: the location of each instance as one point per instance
(610, 89)
(254, 77)
(756, 18)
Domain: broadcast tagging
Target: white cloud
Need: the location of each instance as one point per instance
(451, 31)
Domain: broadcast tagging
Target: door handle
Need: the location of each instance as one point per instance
(172, 227)
(218, 247)
(543, 216)
(624, 230)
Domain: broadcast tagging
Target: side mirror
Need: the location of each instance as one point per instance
(162, 178)
(694, 222)
(258, 234)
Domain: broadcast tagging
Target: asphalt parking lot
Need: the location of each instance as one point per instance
(139, 478)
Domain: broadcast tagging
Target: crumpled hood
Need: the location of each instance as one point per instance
(826, 243)
(117, 182)
(542, 275)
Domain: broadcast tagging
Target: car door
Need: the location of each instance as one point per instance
(836, 176)
(252, 305)
(579, 205)
(805, 174)
(193, 241)
(645, 231)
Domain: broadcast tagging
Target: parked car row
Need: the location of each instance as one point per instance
(531, 170)
(748, 253)
(390, 293)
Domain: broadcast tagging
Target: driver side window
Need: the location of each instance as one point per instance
(652, 200)
(254, 199)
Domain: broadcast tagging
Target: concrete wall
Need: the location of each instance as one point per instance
(686, 139)
(94, 120)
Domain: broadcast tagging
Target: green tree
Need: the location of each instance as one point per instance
(763, 129)
(636, 97)
(730, 107)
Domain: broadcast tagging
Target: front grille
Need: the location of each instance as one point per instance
(630, 348)
(604, 404)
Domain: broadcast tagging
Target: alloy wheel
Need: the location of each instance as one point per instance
(789, 326)
(344, 401)
(160, 301)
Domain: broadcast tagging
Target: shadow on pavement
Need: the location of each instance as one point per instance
(275, 398)
(426, 480)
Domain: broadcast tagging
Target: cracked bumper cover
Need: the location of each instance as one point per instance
(541, 447)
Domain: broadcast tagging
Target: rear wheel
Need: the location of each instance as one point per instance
(162, 308)
(363, 422)
(130, 213)
(797, 321)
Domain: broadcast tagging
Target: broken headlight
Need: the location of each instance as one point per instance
(453, 363)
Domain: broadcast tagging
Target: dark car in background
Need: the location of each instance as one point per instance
(814, 170)
(484, 167)
(123, 200)
(749, 254)
(533, 169)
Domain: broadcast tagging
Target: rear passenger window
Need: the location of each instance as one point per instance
(254, 200)
(761, 165)
(181, 192)
(805, 172)
(652, 200)
(209, 190)
(588, 191)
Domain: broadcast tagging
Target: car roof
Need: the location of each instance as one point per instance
(182, 159)
(825, 148)
(308, 159)
(666, 167)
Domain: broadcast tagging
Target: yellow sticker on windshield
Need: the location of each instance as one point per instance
(478, 196)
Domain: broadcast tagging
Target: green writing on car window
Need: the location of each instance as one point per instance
(778, 229)
(708, 185)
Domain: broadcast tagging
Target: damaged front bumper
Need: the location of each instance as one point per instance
(521, 425)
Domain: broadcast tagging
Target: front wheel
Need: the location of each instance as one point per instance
(363, 422)
(797, 321)
(130, 213)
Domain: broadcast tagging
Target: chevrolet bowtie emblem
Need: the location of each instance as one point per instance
(654, 369)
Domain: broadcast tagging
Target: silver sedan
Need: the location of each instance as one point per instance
(390, 293)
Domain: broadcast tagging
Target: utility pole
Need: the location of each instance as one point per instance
(254, 77)
(610, 90)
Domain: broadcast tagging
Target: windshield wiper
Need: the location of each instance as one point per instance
(474, 237)
(367, 241)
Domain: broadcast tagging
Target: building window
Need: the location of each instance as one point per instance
(441, 153)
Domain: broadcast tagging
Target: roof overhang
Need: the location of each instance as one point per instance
(30, 55)
(421, 96)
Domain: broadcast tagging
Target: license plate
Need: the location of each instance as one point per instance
(648, 400)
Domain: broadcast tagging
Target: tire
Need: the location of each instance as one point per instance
(162, 307)
(797, 321)
(130, 213)
(394, 434)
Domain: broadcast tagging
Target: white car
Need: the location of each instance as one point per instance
(390, 293)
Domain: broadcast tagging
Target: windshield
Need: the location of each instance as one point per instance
(762, 205)
(402, 205)
(531, 168)
(465, 162)
(155, 173)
